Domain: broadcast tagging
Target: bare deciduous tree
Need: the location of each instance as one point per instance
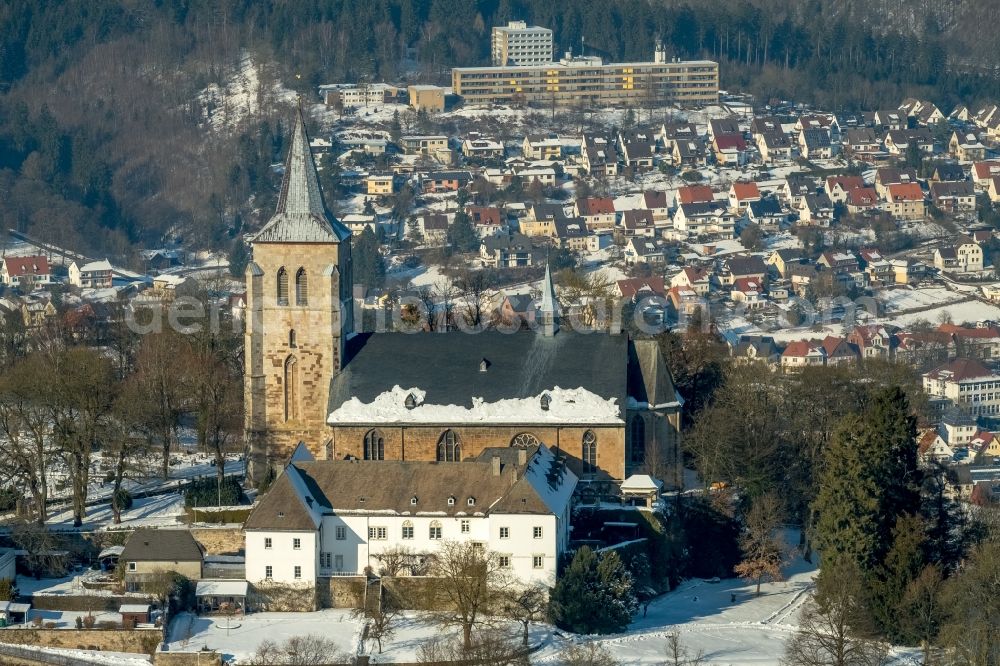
(763, 549)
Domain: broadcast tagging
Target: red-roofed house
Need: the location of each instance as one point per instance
(931, 447)
(985, 341)
(730, 149)
(984, 172)
(741, 194)
(749, 292)
(488, 220)
(690, 194)
(24, 272)
(873, 341)
(696, 279)
(837, 187)
(862, 199)
(802, 353)
(597, 213)
(636, 289)
(905, 200)
(838, 351)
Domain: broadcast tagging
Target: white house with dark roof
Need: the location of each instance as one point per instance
(336, 517)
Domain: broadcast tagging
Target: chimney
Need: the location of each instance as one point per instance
(495, 464)
(522, 457)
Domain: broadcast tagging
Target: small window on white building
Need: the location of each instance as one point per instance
(504, 532)
(537, 561)
(298, 572)
(465, 527)
(296, 544)
(324, 560)
(268, 572)
(131, 566)
(338, 562)
(504, 561)
(536, 532)
(435, 531)
(267, 543)
(341, 533)
(407, 530)
(377, 533)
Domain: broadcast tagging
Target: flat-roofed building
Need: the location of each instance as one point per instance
(591, 82)
(518, 44)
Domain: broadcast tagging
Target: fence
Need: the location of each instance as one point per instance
(40, 656)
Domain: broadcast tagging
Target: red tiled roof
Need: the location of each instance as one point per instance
(695, 194)
(21, 266)
(960, 369)
(746, 191)
(596, 206)
(862, 196)
(905, 192)
(963, 332)
(632, 286)
(846, 182)
(798, 348)
(984, 170)
(730, 142)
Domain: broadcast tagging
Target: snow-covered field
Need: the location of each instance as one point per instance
(98, 657)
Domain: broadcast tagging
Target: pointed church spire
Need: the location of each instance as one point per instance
(550, 306)
(301, 215)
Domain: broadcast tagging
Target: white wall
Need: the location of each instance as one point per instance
(283, 557)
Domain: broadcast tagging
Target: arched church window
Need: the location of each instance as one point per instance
(291, 388)
(524, 440)
(449, 449)
(589, 452)
(374, 445)
(301, 288)
(638, 441)
(282, 286)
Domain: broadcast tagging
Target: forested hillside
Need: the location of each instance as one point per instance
(103, 142)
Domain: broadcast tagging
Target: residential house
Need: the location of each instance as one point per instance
(36, 311)
(434, 228)
(645, 250)
(838, 187)
(487, 220)
(330, 517)
(887, 176)
(963, 256)
(476, 146)
(700, 219)
(638, 222)
(730, 149)
(597, 212)
(861, 200)
(921, 112)
(861, 143)
(919, 348)
(890, 119)
(756, 348)
(655, 201)
(432, 146)
(767, 214)
(838, 351)
(688, 154)
(838, 261)
(640, 288)
(92, 275)
(444, 181)
(815, 144)
(689, 194)
(741, 266)
(966, 147)
(25, 272)
(931, 448)
(797, 185)
(782, 258)
(993, 189)
(542, 147)
(380, 184)
(599, 157)
(815, 210)
(509, 250)
(518, 308)
(953, 197)
(877, 269)
(572, 234)
(897, 142)
(637, 154)
(685, 302)
(695, 279)
(873, 341)
(722, 127)
(748, 292)
(905, 201)
(801, 354)
(150, 552)
(983, 173)
(947, 172)
(773, 147)
(742, 193)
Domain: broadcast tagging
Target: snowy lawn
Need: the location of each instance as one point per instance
(100, 657)
(158, 511)
(190, 632)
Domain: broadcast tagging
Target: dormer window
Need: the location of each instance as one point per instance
(472, 501)
(484, 365)
(413, 501)
(411, 401)
(451, 501)
(545, 401)
(281, 514)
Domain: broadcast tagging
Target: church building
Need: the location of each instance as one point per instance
(601, 401)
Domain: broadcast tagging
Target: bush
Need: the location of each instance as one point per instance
(89, 621)
(107, 624)
(6, 589)
(50, 625)
(8, 499)
(207, 492)
(79, 622)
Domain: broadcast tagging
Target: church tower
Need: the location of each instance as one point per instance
(549, 310)
(299, 315)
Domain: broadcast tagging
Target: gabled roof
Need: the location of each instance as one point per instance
(960, 369)
(905, 192)
(746, 191)
(34, 265)
(730, 142)
(596, 206)
(801, 349)
(301, 215)
(654, 199)
(862, 196)
(695, 194)
(738, 266)
(158, 545)
(952, 189)
(632, 287)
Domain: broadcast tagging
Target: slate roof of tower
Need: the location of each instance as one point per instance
(301, 215)
(446, 365)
